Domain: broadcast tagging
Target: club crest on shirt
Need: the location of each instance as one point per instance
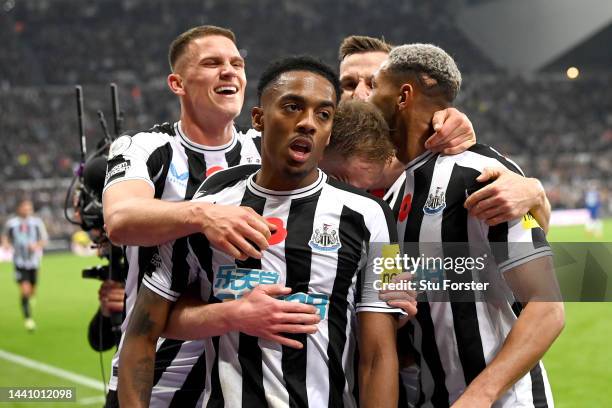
(325, 239)
(436, 202)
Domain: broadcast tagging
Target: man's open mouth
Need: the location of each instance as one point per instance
(300, 149)
(226, 90)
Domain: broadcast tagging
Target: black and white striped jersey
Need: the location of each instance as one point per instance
(22, 233)
(455, 339)
(175, 167)
(328, 235)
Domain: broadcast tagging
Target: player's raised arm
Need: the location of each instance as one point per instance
(138, 353)
(134, 217)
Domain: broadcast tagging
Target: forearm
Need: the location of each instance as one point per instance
(523, 348)
(378, 362)
(192, 319)
(149, 221)
(137, 358)
(136, 371)
(378, 380)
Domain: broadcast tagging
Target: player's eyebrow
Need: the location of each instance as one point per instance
(301, 99)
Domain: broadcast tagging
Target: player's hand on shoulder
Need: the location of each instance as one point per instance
(238, 231)
(454, 132)
(508, 197)
(262, 315)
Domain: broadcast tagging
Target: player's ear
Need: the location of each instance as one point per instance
(257, 118)
(175, 83)
(405, 97)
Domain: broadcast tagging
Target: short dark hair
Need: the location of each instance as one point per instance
(180, 43)
(297, 63)
(360, 129)
(356, 44)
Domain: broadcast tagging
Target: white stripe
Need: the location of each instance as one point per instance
(272, 352)
(57, 372)
(322, 275)
(430, 239)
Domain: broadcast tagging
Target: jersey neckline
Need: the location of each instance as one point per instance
(299, 193)
(418, 161)
(204, 148)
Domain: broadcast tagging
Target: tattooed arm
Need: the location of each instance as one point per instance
(137, 358)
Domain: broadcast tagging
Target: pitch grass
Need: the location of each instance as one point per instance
(65, 303)
(579, 364)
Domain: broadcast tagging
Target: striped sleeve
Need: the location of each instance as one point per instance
(515, 242)
(518, 242)
(135, 157)
(175, 268)
(382, 244)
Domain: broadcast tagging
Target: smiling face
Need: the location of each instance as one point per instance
(295, 117)
(356, 72)
(210, 77)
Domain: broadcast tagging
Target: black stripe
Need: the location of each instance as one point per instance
(249, 353)
(201, 247)
(180, 267)
(257, 143)
(196, 162)
(164, 356)
(145, 261)
(456, 245)
(226, 178)
(233, 156)
(537, 387)
(298, 256)
(353, 233)
(216, 399)
(538, 238)
(189, 393)
(399, 196)
(498, 239)
(429, 351)
(160, 159)
(487, 151)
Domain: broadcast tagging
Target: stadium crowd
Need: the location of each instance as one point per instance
(529, 118)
